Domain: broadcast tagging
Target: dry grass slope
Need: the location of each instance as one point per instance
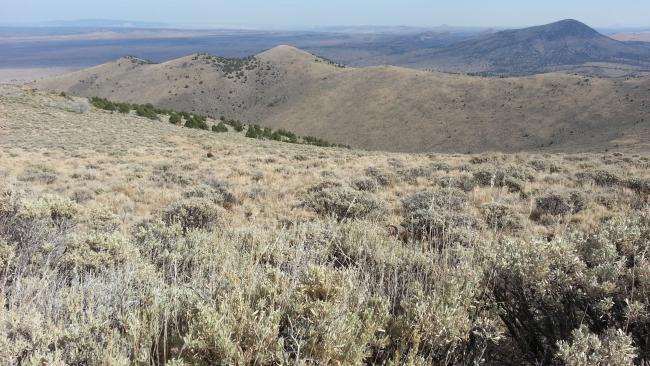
(385, 108)
(122, 243)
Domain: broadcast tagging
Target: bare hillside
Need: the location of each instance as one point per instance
(386, 108)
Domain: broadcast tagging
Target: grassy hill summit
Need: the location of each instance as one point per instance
(126, 240)
(389, 108)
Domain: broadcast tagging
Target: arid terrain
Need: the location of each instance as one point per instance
(126, 240)
(385, 108)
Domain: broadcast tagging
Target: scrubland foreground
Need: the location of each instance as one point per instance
(127, 241)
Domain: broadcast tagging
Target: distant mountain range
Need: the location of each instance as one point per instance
(566, 45)
(388, 108)
(93, 23)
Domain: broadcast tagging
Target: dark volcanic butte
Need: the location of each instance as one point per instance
(566, 45)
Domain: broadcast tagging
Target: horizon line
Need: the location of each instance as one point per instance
(145, 24)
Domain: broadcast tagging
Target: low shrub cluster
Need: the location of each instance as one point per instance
(464, 182)
(605, 178)
(192, 213)
(104, 104)
(436, 216)
(143, 110)
(195, 121)
(381, 177)
(503, 175)
(257, 132)
(581, 298)
(146, 110)
(330, 62)
(214, 191)
(557, 204)
(499, 216)
(231, 67)
(235, 124)
(39, 173)
(310, 140)
(219, 128)
(343, 203)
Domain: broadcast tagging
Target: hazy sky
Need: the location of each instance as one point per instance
(278, 13)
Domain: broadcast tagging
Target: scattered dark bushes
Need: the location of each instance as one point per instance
(367, 185)
(108, 105)
(493, 176)
(200, 122)
(175, 118)
(102, 103)
(219, 128)
(499, 216)
(257, 132)
(195, 121)
(146, 110)
(310, 140)
(411, 175)
(235, 124)
(465, 182)
(604, 178)
(558, 204)
(383, 178)
(124, 108)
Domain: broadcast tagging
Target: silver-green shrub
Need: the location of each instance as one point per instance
(344, 203)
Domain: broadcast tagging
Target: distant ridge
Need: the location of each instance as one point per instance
(567, 46)
(558, 46)
(103, 23)
(385, 108)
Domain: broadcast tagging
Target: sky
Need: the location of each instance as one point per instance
(313, 13)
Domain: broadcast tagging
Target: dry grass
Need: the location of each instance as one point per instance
(92, 275)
